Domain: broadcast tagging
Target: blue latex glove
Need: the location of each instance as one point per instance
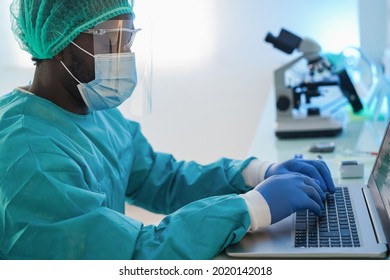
(316, 169)
(288, 193)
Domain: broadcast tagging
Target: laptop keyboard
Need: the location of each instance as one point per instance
(335, 227)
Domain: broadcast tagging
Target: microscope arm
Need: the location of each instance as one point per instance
(283, 94)
(310, 49)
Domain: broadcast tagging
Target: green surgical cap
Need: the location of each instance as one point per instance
(45, 27)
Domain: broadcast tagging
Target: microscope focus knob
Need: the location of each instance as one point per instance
(283, 103)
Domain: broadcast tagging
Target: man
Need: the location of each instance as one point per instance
(69, 159)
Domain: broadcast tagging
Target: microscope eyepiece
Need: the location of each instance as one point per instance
(270, 38)
(286, 41)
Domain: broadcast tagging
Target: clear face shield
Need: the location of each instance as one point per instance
(140, 102)
(117, 37)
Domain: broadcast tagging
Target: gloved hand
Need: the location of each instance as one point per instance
(288, 193)
(316, 169)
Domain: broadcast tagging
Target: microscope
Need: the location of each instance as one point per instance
(297, 113)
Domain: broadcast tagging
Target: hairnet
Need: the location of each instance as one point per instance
(44, 28)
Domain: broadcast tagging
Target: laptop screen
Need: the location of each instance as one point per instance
(381, 171)
(379, 183)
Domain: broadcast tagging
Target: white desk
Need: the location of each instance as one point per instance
(358, 135)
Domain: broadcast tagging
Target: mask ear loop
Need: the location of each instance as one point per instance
(70, 73)
(73, 43)
(66, 68)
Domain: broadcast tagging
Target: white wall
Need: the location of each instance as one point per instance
(16, 67)
(212, 68)
(372, 44)
(208, 108)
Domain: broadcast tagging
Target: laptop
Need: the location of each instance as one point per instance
(360, 230)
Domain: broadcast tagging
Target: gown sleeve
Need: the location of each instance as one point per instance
(199, 230)
(161, 184)
(47, 212)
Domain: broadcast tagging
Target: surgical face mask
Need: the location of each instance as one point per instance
(115, 80)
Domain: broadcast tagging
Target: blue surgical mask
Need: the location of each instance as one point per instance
(115, 80)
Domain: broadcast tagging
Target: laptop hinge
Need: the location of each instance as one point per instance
(380, 237)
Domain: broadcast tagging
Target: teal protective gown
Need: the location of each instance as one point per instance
(65, 178)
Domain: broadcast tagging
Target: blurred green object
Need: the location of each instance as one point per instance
(368, 79)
